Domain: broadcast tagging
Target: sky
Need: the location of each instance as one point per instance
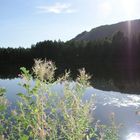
(26, 22)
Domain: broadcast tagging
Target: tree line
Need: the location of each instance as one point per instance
(119, 53)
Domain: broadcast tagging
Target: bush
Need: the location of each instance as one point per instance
(44, 114)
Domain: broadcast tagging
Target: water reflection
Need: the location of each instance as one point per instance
(125, 106)
(107, 79)
(133, 136)
(114, 98)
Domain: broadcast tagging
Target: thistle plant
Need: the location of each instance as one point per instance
(3, 109)
(44, 114)
(44, 70)
(110, 132)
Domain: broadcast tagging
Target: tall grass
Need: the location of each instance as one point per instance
(43, 114)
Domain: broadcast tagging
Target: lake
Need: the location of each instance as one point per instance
(110, 79)
(125, 106)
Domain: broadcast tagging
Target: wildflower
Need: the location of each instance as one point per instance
(44, 70)
(14, 112)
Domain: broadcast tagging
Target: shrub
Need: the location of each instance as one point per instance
(43, 113)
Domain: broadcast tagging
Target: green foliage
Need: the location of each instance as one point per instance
(3, 101)
(44, 114)
(110, 132)
(3, 109)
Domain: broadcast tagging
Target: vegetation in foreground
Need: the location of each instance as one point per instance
(43, 114)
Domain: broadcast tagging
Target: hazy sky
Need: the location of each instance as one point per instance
(25, 22)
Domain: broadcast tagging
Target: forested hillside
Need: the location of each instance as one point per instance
(121, 54)
(129, 28)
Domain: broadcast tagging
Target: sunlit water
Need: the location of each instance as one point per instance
(126, 107)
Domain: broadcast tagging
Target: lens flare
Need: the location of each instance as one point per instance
(129, 7)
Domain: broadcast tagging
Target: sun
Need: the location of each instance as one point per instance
(128, 7)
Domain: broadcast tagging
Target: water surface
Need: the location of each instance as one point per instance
(125, 106)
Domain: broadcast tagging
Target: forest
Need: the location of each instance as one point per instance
(118, 54)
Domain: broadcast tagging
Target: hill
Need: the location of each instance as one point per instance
(128, 28)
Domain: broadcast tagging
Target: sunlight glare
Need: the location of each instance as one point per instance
(105, 8)
(129, 7)
(133, 136)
